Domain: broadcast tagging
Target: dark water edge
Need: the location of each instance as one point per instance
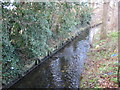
(63, 70)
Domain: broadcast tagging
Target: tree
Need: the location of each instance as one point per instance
(119, 41)
(103, 34)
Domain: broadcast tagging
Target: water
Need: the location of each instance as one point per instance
(63, 70)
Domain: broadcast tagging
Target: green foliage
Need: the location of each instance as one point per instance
(32, 29)
(114, 80)
(10, 60)
(113, 34)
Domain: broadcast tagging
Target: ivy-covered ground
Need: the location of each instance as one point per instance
(102, 64)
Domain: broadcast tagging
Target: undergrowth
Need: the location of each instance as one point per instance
(102, 64)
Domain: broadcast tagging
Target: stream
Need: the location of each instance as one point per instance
(63, 70)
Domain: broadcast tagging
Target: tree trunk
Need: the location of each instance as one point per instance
(113, 17)
(103, 34)
(119, 44)
(89, 1)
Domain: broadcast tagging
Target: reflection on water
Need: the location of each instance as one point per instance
(55, 67)
(62, 70)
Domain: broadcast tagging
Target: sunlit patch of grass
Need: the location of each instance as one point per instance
(97, 87)
(113, 34)
(110, 68)
(92, 80)
(102, 41)
(101, 69)
(113, 79)
(114, 72)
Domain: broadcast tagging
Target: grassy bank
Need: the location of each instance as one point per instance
(102, 64)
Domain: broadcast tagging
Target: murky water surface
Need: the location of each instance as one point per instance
(62, 70)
